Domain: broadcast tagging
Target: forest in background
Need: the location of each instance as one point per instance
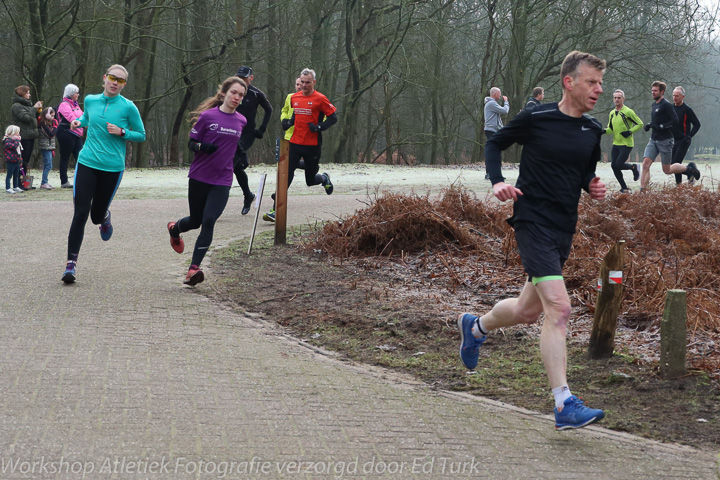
(409, 78)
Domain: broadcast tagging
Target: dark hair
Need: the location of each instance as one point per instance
(537, 91)
(660, 85)
(574, 60)
(218, 98)
(22, 90)
(44, 119)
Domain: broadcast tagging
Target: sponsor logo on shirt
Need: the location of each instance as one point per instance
(193, 130)
(229, 131)
(303, 111)
(213, 126)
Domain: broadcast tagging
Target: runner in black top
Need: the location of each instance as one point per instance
(662, 121)
(561, 146)
(248, 108)
(688, 125)
(538, 94)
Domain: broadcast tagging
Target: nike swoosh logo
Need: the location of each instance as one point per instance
(585, 129)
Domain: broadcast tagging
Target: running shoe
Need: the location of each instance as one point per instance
(106, 228)
(194, 276)
(10, 190)
(328, 184)
(635, 172)
(19, 189)
(692, 172)
(46, 186)
(469, 345)
(69, 274)
(66, 185)
(176, 243)
(576, 415)
(270, 216)
(247, 203)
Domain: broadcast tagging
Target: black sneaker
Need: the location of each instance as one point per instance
(692, 172)
(328, 184)
(635, 171)
(247, 204)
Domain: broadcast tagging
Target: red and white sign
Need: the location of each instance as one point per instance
(615, 277)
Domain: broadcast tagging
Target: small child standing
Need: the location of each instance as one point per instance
(13, 158)
(48, 126)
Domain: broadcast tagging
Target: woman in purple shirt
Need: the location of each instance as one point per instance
(213, 139)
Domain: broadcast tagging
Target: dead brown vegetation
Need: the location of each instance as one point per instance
(671, 239)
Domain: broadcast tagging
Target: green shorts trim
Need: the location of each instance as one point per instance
(536, 280)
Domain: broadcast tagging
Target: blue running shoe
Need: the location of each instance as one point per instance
(469, 345)
(69, 275)
(576, 415)
(106, 228)
(270, 216)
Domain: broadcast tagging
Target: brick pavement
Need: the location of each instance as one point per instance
(129, 374)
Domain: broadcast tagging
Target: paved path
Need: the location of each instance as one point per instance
(129, 374)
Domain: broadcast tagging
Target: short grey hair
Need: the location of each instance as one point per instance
(70, 90)
(494, 90)
(682, 90)
(308, 71)
(620, 92)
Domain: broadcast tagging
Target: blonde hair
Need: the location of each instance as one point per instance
(12, 130)
(218, 98)
(116, 66)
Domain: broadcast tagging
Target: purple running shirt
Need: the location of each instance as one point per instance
(222, 129)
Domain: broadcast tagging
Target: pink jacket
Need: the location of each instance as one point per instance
(70, 110)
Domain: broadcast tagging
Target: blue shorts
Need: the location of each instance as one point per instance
(543, 250)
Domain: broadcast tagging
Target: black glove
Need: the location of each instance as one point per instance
(258, 133)
(314, 127)
(285, 124)
(646, 127)
(208, 148)
(626, 133)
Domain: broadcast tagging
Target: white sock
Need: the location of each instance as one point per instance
(479, 329)
(561, 394)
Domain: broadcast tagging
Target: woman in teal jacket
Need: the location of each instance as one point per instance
(111, 120)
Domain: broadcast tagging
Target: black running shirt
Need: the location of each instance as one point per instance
(558, 159)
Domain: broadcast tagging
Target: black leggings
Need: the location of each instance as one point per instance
(311, 155)
(207, 202)
(93, 190)
(680, 149)
(241, 162)
(619, 155)
(69, 144)
(27, 149)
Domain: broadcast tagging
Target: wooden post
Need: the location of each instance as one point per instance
(673, 335)
(602, 338)
(281, 188)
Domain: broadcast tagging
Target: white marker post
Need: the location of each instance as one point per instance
(258, 202)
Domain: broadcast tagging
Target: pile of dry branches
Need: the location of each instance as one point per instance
(672, 241)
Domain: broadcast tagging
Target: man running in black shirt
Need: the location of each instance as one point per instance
(688, 125)
(561, 147)
(253, 99)
(662, 121)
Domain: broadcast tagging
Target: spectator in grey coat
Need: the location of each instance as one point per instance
(493, 110)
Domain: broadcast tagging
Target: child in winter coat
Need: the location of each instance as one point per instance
(48, 126)
(13, 158)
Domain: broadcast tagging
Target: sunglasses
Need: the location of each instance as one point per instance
(113, 78)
